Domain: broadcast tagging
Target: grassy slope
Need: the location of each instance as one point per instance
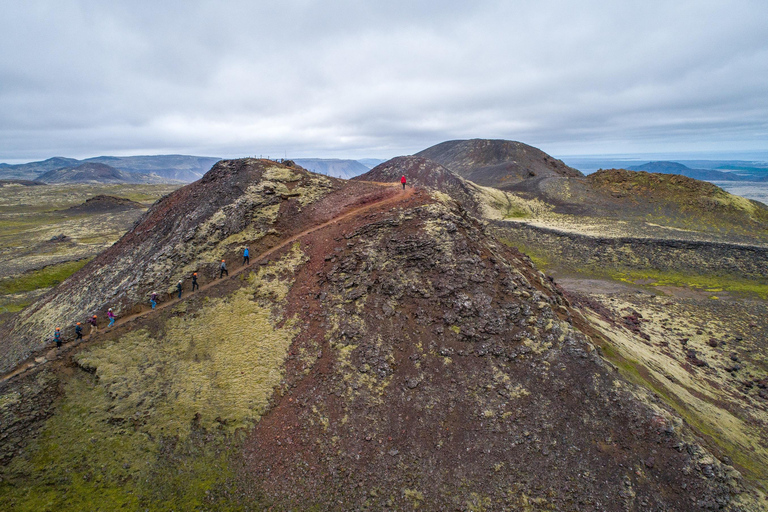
(175, 394)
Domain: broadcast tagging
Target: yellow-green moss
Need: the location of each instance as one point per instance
(43, 278)
(156, 424)
(709, 282)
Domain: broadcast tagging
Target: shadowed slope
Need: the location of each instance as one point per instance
(496, 163)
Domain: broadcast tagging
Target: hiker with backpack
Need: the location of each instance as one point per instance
(246, 257)
(111, 317)
(94, 324)
(78, 331)
(402, 180)
(153, 299)
(223, 269)
(57, 337)
(195, 286)
(178, 287)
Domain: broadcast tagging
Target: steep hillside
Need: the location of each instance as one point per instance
(189, 230)
(381, 351)
(496, 163)
(420, 172)
(96, 173)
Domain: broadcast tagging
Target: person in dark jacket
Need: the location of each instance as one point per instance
(195, 286)
(223, 269)
(178, 287)
(57, 337)
(246, 257)
(402, 180)
(94, 324)
(78, 331)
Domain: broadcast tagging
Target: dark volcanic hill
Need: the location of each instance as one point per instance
(91, 172)
(105, 203)
(496, 163)
(382, 351)
(421, 172)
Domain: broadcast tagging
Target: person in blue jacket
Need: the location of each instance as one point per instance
(246, 257)
(57, 337)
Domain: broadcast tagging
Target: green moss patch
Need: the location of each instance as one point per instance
(156, 418)
(708, 283)
(43, 278)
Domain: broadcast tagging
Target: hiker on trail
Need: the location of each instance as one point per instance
(223, 269)
(153, 299)
(111, 317)
(402, 180)
(195, 286)
(178, 287)
(246, 257)
(78, 331)
(57, 337)
(94, 325)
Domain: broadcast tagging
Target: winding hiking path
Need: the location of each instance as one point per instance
(38, 359)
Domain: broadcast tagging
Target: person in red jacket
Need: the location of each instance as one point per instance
(402, 180)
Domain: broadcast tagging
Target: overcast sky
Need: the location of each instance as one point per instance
(302, 78)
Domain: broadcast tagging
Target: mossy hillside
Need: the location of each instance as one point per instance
(705, 204)
(245, 221)
(704, 398)
(500, 205)
(156, 422)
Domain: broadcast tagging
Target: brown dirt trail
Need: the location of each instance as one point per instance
(49, 353)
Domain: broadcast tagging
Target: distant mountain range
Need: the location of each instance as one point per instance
(169, 168)
(335, 167)
(92, 172)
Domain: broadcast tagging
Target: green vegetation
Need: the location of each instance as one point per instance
(43, 278)
(540, 258)
(709, 283)
(154, 421)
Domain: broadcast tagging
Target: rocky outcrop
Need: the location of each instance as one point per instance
(583, 251)
(421, 172)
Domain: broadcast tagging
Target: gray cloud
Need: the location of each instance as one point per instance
(311, 78)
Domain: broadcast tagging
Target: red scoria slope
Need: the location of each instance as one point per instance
(444, 374)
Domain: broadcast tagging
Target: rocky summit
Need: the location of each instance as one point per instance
(381, 350)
